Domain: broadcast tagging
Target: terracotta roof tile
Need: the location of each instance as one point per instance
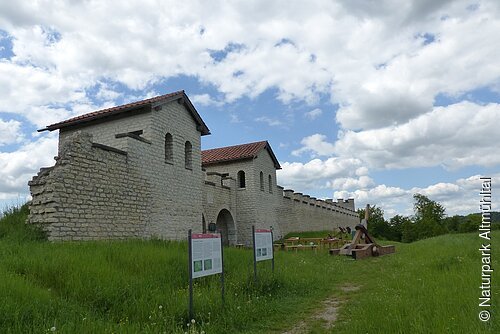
(237, 152)
(126, 108)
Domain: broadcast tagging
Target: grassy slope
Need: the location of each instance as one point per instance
(428, 286)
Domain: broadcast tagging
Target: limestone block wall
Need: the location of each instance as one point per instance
(109, 183)
(283, 210)
(177, 190)
(299, 213)
(105, 132)
(267, 196)
(92, 192)
(246, 206)
(219, 194)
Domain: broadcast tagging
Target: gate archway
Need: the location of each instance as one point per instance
(225, 225)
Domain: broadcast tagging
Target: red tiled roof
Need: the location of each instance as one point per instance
(237, 152)
(129, 107)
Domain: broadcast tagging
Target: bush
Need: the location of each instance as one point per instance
(13, 225)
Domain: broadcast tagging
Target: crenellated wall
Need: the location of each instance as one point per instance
(299, 212)
(268, 205)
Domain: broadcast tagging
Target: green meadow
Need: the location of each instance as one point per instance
(430, 286)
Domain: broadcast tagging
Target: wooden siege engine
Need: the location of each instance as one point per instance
(363, 244)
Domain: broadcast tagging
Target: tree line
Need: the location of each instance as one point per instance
(429, 220)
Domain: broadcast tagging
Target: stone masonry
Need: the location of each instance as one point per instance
(137, 171)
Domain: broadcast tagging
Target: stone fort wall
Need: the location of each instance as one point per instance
(93, 192)
(96, 191)
(286, 211)
(298, 213)
(270, 205)
(176, 191)
(112, 180)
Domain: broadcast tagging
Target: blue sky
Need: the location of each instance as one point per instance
(355, 99)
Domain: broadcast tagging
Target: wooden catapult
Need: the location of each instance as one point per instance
(363, 245)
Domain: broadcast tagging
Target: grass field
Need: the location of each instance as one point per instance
(431, 286)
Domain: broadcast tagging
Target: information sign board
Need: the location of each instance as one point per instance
(263, 245)
(206, 254)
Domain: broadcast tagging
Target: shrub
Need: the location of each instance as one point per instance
(13, 225)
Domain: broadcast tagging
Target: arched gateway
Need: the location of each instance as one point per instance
(225, 225)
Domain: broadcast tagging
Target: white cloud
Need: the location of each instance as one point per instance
(350, 52)
(10, 132)
(462, 134)
(17, 168)
(350, 183)
(269, 121)
(440, 190)
(313, 114)
(204, 100)
(315, 144)
(459, 197)
(405, 84)
(315, 173)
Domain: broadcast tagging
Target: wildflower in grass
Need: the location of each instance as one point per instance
(53, 328)
(193, 321)
(160, 307)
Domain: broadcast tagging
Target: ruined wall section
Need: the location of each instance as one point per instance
(93, 192)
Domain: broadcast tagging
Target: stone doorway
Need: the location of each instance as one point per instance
(225, 225)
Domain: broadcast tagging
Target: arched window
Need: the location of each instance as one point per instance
(188, 155)
(169, 148)
(270, 184)
(261, 181)
(241, 179)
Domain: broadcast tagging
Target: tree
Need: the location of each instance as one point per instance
(377, 225)
(410, 232)
(453, 223)
(470, 223)
(428, 219)
(396, 225)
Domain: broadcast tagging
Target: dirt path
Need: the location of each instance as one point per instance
(326, 315)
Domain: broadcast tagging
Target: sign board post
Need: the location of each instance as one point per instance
(262, 247)
(190, 252)
(272, 250)
(206, 257)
